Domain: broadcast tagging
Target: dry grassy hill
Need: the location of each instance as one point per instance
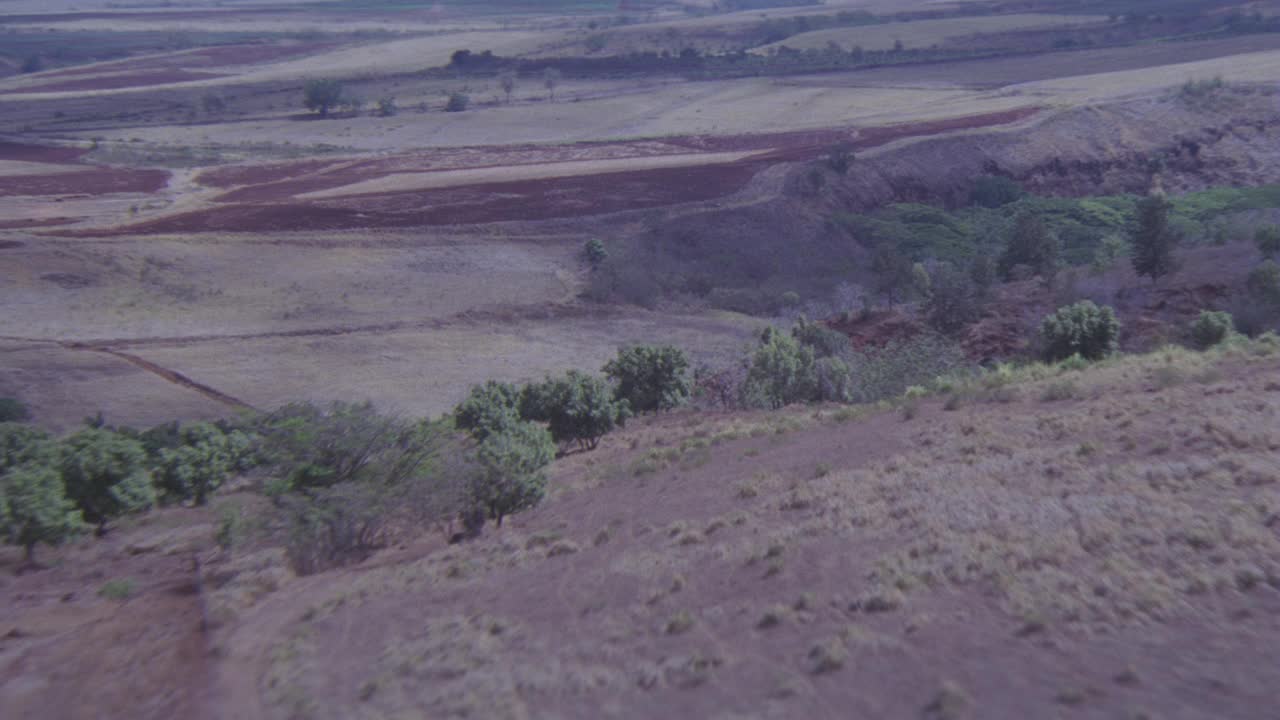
(1041, 543)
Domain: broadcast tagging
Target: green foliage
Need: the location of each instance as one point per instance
(577, 407)
(1153, 239)
(882, 373)
(1109, 252)
(993, 191)
(1211, 328)
(892, 271)
(200, 464)
(1267, 238)
(458, 102)
(781, 372)
(512, 462)
(824, 341)
(13, 410)
(21, 444)
(595, 253)
(105, 474)
(345, 442)
(650, 378)
(338, 523)
(1032, 245)
(34, 508)
(322, 95)
(1083, 328)
(833, 380)
(488, 408)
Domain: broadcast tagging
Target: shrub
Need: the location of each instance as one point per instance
(488, 408)
(1267, 238)
(458, 102)
(340, 523)
(952, 302)
(650, 378)
(511, 477)
(1263, 284)
(781, 372)
(595, 253)
(34, 508)
(1211, 328)
(1083, 328)
(881, 373)
(118, 590)
(322, 94)
(387, 107)
(345, 442)
(824, 341)
(1153, 239)
(577, 407)
(834, 380)
(105, 474)
(13, 410)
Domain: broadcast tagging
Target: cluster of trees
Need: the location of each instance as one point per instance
(52, 489)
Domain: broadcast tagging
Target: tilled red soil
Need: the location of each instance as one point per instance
(93, 181)
(265, 209)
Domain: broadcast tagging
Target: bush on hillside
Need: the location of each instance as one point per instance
(322, 95)
(578, 408)
(781, 372)
(21, 444)
(1267, 238)
(1211, 328)
(34, 508)
(198, 465)
(487, 409)
(650, 378)
(512, 476)
(105, 474)
(1081, 329)
(824, 341)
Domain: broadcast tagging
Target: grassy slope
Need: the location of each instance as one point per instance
(1046, 543)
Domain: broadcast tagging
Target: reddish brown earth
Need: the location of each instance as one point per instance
(263, 203)
(95, 180)
(40, 153)
(36, 222)
(114, 82)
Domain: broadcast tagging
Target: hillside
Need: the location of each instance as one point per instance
(1046, 542)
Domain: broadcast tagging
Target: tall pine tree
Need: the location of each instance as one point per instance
(1153, 239)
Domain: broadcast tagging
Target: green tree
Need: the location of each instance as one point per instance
(824, 341)
(487, 409)
(21, 444)
(595, 253)
(511, 478)
(507, 80)
(551, 80)
(650, 378)
(833, 380)
(200, 464)
(34, 508)
(577, 407)
(953, 302)
(993, 191)
(982, 273)
(1032, 245)
(1153, 240)
(458, 102)
(105, 474)
(1263, 284)
(322, 95)
(1082, 329)
(1110, 250)
(921, 282)
(1267, 238)
(781, 372)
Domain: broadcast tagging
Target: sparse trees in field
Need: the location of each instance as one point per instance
(1153, 240)
(512, 463)
(105, 474)
(322, 95)
(1031, 244)
(507, 80)
(551, 78)
(1082, 329)
(650, 378)
(34, 508)
(1267, 238)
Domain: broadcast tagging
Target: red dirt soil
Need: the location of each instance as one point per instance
(115, 82)
(40, 153)
(539, 199)
(93, 181)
